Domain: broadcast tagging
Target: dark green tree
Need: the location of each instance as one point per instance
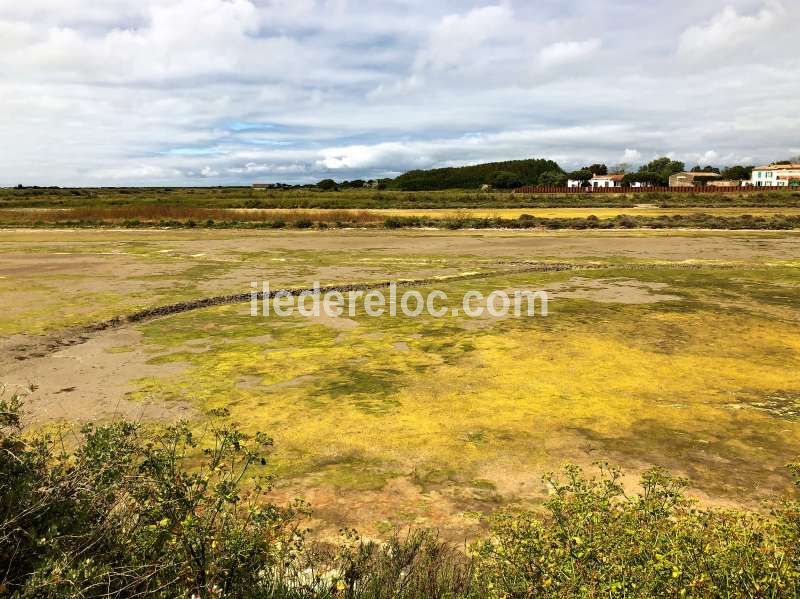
(648, 178)
(597, 169)
(581, 175)
(506, 180)
(702, 181)
(553, 179)
(664, 167)
(327, 185)
(734, 173)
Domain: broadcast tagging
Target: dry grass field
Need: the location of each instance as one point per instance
(678, 349)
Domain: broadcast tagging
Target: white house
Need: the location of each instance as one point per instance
(614, 180)
(776, 175)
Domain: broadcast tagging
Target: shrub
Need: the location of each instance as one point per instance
(595, 540)
(327, 185)
(124, 515)
(553, 178)
(506, 180)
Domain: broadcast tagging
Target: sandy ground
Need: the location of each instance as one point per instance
(89, 382)
(212, 244)
(616, 291)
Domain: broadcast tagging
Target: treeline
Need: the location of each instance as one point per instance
(539, 172)
(657, 172)
(533, 172)
(136, 511)
(506, 175)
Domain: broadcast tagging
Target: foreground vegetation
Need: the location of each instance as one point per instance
(132, 511)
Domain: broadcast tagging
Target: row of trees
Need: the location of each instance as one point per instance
(533, 172)
(656, 172)
(331, 185)
(509, 180)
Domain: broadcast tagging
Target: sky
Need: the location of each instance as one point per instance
(220, 92)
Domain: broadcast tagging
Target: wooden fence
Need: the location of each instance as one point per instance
(706, 189)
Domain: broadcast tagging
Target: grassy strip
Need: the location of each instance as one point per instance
(687, 221)
(356, 199)
(344, 219)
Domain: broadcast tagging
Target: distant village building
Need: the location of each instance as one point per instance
(692, 179)
(263, 185)
(776, 175)
(614, 180)
(598, 181)
(726, 183)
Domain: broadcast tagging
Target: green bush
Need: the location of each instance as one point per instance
(327, 185)
(124, 514)
(597, 541)
(506, 180)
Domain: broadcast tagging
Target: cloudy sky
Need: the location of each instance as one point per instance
(205, 92)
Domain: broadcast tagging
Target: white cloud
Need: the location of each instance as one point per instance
(728, 29)
(563, 53)
(136, 172)
(179, 39)
(167, 91)
(456, 36)
(634, 156)
(709, 157)
(375, 156)
(15, 34)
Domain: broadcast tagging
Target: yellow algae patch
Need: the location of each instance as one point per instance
(697, 391)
